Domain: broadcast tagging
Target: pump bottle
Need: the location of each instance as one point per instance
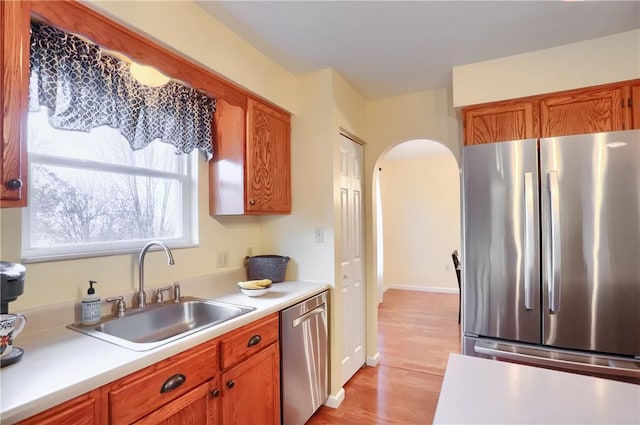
(91, 306)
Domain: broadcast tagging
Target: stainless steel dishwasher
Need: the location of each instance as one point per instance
(303, 333)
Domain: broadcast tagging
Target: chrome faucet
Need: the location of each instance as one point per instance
(142, 297)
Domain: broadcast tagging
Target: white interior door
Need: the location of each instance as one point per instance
(352, 263)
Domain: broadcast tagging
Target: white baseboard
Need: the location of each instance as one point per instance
(373, 360)
(423, 289)
(334, 401)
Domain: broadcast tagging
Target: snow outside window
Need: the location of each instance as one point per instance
(90, 194)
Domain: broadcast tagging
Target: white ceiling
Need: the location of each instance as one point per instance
(388, 48)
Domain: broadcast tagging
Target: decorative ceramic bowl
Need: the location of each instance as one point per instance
(254, 292)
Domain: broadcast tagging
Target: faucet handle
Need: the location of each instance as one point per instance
(159, 293)
(121, 306)
(176, 291)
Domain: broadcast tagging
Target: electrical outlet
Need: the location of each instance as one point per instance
(222, 259)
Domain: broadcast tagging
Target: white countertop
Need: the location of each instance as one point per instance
(481, 391)
(59, 363)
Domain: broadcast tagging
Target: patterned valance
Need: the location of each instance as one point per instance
(84, 89)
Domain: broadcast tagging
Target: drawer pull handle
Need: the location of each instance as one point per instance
(254, 340)
(231, 384)
(172, 383)
(215, 393)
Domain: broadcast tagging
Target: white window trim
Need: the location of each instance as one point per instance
(188, 212)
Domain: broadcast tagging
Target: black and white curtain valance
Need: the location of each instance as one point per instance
(84, 89)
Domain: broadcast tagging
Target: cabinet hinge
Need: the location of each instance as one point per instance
(630, 103)
(622, 103)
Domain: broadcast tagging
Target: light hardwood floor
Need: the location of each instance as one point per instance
(417, 331)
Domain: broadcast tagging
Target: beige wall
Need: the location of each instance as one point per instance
(183, 27)
(326, 103)
(587, 63)
(421, 220)
(63, 281)
(391, 121)
(188, 30)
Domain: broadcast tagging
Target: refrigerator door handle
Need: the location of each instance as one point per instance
(554, 246)
(529, 269)
(590, 364)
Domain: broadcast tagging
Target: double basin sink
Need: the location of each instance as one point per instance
(158, 324)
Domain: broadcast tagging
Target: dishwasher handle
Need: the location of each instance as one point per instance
(318, 310)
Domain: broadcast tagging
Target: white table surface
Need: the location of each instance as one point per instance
(59, 363)
(482, 391)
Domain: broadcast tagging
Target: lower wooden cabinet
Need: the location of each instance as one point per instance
(200, 406)
(82, 410)
(160, 385)
(195, 387)
(251, 390)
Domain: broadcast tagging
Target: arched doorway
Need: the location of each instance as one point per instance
(416, 190)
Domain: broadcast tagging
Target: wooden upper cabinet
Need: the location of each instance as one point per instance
(226, 169)
(610, 107)
(501, 122)
(268, 156)
(582, 112)
(250, 172)
(633, 107)
(14, 89)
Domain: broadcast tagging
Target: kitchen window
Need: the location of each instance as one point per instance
(90, 194)
(111, 154)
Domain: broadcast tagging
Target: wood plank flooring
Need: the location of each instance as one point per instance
(417, 331)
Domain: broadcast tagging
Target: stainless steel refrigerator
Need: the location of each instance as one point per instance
(551, 251)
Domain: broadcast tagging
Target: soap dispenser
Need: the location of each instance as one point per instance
(91, 306)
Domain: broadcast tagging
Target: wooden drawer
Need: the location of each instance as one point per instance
(248, 340)
(140, 393)
(82, 410)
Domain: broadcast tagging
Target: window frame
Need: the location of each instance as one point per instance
(186, 175)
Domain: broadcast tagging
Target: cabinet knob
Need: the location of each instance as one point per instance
(13, 184)
(231, 384)
(252, 202)
(215, 393)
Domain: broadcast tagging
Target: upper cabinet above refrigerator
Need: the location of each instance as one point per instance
(610, 107)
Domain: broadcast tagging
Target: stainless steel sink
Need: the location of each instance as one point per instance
(158, 324)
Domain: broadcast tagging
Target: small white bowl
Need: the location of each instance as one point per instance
(254, 292)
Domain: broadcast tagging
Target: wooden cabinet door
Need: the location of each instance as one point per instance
(501, 122)
(200, 406)
(251, 390)
(14, 88)
(82, 410)
(635, 107)
(268, 162)
(226, 168)
(147, 390)
(582, 112)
